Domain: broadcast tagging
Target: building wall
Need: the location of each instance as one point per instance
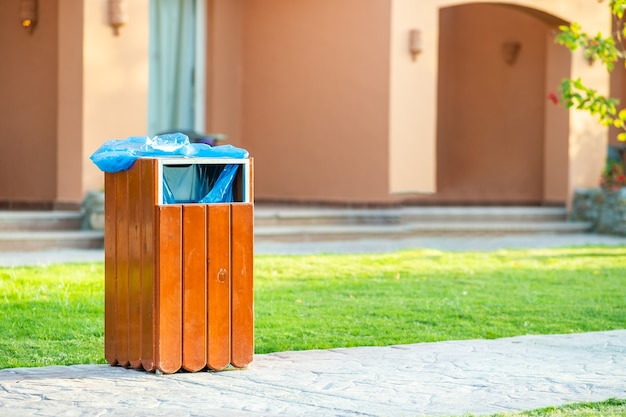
(556, 128)
(69, 86)
(115, 71)
(69, 111)
(294, 105)
(322, 92)
(225, 68)
(316, 98)
(341, 94)
(28, 120)
(586, 142)
(412, 122)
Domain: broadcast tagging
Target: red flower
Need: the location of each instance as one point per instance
(553, 98)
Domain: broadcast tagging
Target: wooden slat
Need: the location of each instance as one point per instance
(194, 287)
(110, 269)
(134, 265)
(242, 333)
(148, 206)
(169, 289)
(218, 286)
(121, 241)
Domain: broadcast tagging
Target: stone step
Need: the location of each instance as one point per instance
(13, 241)
(27, 231)
(416, 229)
(276, 223)
(506, 214)
(45, 230)
(39, 220)
(276, 216)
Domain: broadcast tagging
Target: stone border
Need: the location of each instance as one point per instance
(605, 209)
(92, 209)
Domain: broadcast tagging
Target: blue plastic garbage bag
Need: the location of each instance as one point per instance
(193, 183)
(222, 190)
(119, 154)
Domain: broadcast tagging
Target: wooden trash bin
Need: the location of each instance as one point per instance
(178, 277)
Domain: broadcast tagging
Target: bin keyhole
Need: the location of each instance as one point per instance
(221, 276)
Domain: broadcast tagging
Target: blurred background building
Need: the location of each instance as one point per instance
(348, 102)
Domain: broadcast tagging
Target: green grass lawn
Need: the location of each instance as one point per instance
(54, 315)
(420, 296)
(51, 315)
(610, 408)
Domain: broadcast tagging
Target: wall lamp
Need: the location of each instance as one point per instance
(415, 43)
(28, 14)
(510, 51)
(118, 15)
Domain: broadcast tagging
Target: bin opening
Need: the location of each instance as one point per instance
(202, 181)
(198, 183)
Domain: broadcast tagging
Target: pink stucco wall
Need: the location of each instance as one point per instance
(315, 98)
(67, 87)
(312, 88)
(315, 110)
(28, 106)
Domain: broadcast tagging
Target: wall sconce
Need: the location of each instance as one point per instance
(28, 14)
(415, 43)
(510, 51)
(118, 15)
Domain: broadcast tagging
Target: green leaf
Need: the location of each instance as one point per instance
(578, 83)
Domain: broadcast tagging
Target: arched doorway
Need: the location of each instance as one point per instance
(498, 140)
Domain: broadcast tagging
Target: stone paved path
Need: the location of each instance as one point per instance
(428, 379)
